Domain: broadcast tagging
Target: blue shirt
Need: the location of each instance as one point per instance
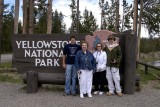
(70, 51)
(85, 61)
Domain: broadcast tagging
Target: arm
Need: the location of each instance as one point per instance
(64, 57)
(119, 54)
(93, 63)
(63, 61)
(105, 58)
(77, 61)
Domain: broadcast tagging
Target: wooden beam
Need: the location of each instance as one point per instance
(130, 64)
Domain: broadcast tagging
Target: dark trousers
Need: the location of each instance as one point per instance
(99, 80)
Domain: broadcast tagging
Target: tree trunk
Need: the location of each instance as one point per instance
(31, 8)
(49, 17)
(135, 16)
(1, 17)
(117, 17)
(16, 16)
(139, 30)
(24, 16)
(77, 16)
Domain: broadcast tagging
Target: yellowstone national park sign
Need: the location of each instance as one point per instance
(43, 53)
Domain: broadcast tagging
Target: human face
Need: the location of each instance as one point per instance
(84, 46)
(111, 41)
(99, 47)
(73, 40)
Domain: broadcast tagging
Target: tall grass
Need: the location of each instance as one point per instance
(147, 77)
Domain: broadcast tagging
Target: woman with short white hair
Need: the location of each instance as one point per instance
(85, 66)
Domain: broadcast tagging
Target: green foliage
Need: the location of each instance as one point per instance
(41, 19)
(126, 16)
(57, 23)
(89, 22)
(10, 77)
(41, 25)
(151, 17)
(150, 45)
(146, 77)
(19, 27)
(40, 14)
(73, 7)
(108, 10)
(7, 30)
(6, 65)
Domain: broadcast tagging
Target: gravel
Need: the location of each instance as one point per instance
(14, 95)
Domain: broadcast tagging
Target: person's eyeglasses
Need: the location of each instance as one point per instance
(98, 46)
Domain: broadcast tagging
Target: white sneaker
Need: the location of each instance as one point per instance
(96, 92)
(89, 95)
(100, 93)
(81, 96)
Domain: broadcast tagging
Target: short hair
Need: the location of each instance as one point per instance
(85, 43)
(111, 37)
(72, 37)
(100, 44)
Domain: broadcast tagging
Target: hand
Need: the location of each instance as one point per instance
(93, 71)
(100, 69)
(78, 72)
(64, 65)
(113, 61)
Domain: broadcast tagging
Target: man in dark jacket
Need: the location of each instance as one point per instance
(69, 53)
(114, 56)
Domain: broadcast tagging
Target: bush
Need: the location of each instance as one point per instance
(149, 45)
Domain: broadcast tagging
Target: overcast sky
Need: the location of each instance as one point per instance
(63, 6)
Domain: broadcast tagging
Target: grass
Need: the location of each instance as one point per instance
(151, 72)
(7, 76)
(147, 77)
(6, 65)
(12, 77)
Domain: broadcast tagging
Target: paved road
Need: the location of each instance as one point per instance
(12, 95)
(6, 58)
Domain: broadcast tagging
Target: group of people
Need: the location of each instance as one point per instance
(96, 67)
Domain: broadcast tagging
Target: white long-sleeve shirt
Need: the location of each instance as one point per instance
(101, 60)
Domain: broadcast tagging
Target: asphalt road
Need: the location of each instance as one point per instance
(6, 58)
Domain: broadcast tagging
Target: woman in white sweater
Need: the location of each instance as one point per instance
(99, 77)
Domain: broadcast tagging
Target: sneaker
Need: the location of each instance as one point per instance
(89, 95)
(109, 94)
(81, 96)
(100, 93)
(74, 94)
(96, 92)
(119, 94)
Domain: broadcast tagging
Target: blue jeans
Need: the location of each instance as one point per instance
(71, 74)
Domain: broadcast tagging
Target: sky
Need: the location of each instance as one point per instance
(63, 6)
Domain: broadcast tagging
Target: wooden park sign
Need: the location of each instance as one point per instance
(39, 57)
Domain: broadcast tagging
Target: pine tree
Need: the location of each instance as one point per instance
(89, 22)
(8, 23)
(40, 17)
(73, 7)
(151, 16)
(58, 25)
(109, 14)
(126, 16)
